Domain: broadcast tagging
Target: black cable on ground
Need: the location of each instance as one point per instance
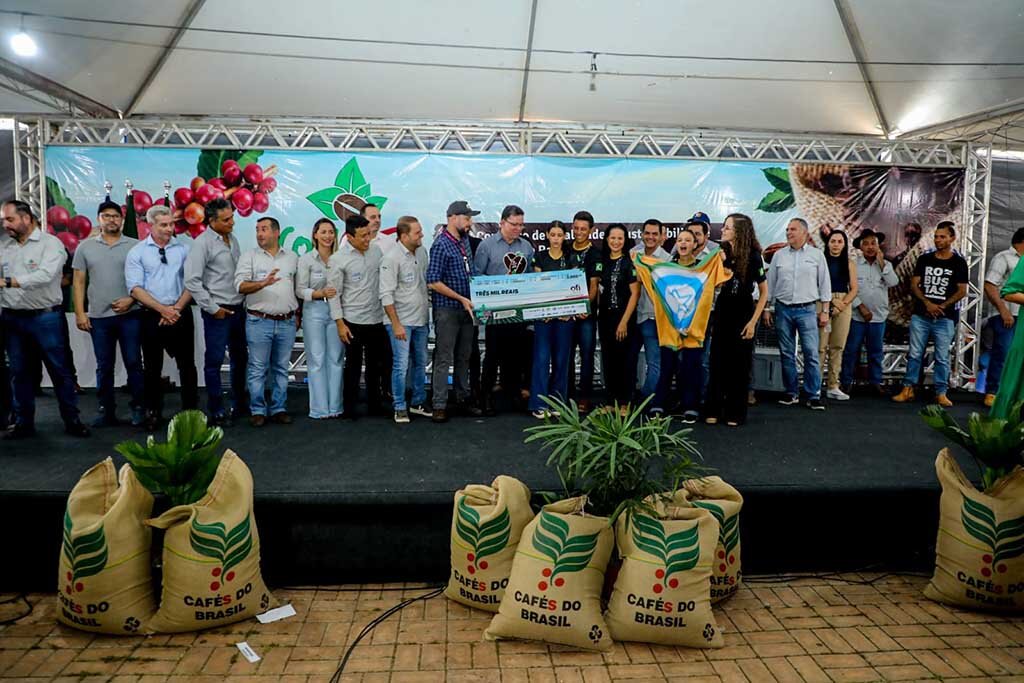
(359, 589)
(373, 624)
(22, 597)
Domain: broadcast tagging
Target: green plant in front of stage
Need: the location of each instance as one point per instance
(995, 443)
(183, 467)
(617, 460)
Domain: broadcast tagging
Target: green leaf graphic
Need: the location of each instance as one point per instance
(485, 539)
(210, 160)
(728, 528)
(779, 178)
(678, 552)
(776, 201)
(87, 554)
(350, 178)
(324, 200)
(228, 547)
(568, 553)
(1005, 540)
(55, 196)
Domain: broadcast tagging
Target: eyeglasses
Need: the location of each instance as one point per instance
(163, 256)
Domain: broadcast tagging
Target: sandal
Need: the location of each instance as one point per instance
(711, 420)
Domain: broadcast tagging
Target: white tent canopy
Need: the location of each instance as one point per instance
(863, 67)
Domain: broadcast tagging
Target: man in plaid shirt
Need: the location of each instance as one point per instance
(448, 273)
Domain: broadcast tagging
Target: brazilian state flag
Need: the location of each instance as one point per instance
(682, 296)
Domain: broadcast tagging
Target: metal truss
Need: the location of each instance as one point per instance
(972, 241)
(528, 138)
(30, 166)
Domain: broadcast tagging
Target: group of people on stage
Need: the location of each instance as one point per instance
(364, 299)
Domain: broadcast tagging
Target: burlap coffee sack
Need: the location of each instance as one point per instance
(554, 592)
(104, 582)
(212, 556)
(725, 503)
(979, 554)
(486, 526)
(661, 592)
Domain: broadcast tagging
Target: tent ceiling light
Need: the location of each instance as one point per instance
(23, 45)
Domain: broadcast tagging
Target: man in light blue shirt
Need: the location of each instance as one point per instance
(799, 286)
(154, 273)
(652, 237)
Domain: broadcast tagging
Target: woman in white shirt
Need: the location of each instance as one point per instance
(325, 354)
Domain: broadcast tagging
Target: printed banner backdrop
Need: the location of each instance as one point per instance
(298, 187)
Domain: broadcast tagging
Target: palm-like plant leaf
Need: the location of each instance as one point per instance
(182, 467)
(995, 443)
(616, 460)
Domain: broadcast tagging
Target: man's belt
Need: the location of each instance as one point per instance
(271, 316)
(31, 312)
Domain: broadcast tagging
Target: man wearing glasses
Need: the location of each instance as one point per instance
(32, 265)
(448, 273)
(507, 345)
(113, 317)
(155, 276)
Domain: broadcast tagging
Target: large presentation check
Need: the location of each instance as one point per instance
(528, 297)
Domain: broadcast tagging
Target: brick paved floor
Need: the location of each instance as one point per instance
(798, 630)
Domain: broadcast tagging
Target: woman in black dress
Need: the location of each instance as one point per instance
(735, 322)
(615, 285)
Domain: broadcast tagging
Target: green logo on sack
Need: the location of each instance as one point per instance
(228, 547)
(1005, 540)
(483, 539)
(567, 553)
(678, 552)
(728, 533)
(86, 555)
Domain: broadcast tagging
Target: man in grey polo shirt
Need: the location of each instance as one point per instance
(403, 293)
(266, 276)
(113, 318)
(507, 345)
(356, 310)
(800, 288)
(210, 277)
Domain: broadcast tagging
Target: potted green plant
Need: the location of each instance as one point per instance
(183, 467)
(616, 459)
(980, 546)
(180, 469)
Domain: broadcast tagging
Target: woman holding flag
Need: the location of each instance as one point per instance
(684, 365)
(735, 322)
(617, 291)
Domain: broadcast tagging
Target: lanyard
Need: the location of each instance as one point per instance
(462, 250)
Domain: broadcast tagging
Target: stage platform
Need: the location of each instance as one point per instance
(370, 501)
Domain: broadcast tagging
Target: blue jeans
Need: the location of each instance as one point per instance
(939, 330)
(270, 349)
(802, 320)
(871, 334)
(1002, 337)
(228, 332)
(31, 338)
(410, 352)
(686, 367)
(585, 337)
(552, 343)
(107, 333)
(648, 337)
(325, 358)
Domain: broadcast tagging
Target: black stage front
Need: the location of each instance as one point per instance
(371, 501)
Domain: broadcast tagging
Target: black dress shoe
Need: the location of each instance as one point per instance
(20, 432)
(281, 418)
(469, 410)
(220, 421)
(76, 429)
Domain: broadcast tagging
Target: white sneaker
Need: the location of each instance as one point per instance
(837, 394)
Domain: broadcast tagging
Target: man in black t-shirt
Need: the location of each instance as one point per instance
(939, 282)
(585, 328)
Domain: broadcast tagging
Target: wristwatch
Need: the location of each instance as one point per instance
(7, 282)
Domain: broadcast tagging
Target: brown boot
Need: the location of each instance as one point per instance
(906, 394)
(943, 401)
